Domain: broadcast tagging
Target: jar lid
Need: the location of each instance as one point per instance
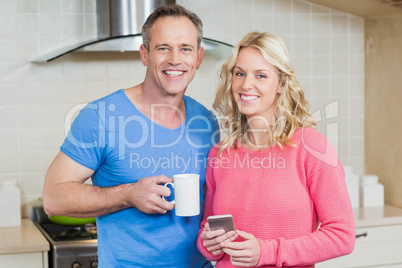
(348, 169)
(369, 179)
(8, 182)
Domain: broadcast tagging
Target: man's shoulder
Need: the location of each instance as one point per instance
(106, 104)
(193, 105)
(112, 97)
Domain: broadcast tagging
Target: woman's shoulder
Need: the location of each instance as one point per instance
(315, 145)
(215, 150)
(307, 134)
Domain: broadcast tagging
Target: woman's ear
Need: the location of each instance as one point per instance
(280, 88)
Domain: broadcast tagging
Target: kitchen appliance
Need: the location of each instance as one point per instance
(73, 246)
(119, 24)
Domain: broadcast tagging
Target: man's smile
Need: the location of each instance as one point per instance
(173, 73)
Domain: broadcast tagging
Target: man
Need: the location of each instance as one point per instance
(133, 141)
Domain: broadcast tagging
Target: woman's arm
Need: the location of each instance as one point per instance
(208, 242)
(325, 179)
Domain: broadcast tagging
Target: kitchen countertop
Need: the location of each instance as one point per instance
(377, 216)
(22, 239)
(28, 238)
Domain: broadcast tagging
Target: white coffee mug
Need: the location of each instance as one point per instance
(186, 194)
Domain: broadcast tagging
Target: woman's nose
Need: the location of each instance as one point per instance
(248, 82)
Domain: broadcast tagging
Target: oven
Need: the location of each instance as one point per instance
(72, 246)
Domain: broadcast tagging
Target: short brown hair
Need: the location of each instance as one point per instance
(170, 11)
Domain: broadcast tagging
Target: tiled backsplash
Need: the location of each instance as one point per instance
(326, 47)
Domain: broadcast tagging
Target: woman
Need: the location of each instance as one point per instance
(277, 175)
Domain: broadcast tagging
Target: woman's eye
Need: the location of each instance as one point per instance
(239, 74)
(261, 76)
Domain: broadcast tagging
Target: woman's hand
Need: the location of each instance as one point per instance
(245, 253)
(213, 239)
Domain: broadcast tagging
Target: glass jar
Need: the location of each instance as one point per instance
(10, 203)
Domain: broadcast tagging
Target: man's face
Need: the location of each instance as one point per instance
(173, 58)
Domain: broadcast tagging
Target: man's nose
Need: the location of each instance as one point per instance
(174, 57)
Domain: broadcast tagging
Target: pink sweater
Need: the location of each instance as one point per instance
(282, 201)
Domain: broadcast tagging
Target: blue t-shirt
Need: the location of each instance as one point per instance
(122, 145)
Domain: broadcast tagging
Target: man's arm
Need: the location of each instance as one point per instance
(65, 193)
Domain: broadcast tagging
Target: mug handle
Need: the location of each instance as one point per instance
(171, 184)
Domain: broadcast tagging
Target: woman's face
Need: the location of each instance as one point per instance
(255, 84)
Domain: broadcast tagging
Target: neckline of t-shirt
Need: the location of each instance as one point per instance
(149, 119)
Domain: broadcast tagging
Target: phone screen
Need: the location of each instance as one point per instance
(224, 222)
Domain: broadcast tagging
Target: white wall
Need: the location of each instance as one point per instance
(327, 49)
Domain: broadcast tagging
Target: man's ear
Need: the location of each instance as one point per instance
(200, 56)
(144, 55)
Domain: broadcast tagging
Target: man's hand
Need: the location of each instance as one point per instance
(145, 195)
(213, 239)
(245, 253)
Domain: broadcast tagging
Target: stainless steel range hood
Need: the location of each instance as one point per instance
(119, 24)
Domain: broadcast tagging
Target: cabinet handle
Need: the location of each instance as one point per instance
(360, 235)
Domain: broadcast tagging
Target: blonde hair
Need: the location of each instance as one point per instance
(291, 110)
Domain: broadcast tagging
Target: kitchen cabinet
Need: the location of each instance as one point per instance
(23, 246)
(24, 260)
(362, 8)
(378, 242)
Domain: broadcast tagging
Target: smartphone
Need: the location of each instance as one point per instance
(224, 222)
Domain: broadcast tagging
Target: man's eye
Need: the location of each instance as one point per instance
(163, 48)
(186, 49)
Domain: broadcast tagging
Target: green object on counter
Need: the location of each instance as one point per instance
(64, 220)
(71, 220)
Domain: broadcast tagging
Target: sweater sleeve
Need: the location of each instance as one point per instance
(208, 206)
(335, 237)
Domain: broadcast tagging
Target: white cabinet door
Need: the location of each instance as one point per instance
(381, 247)
(24, 260)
